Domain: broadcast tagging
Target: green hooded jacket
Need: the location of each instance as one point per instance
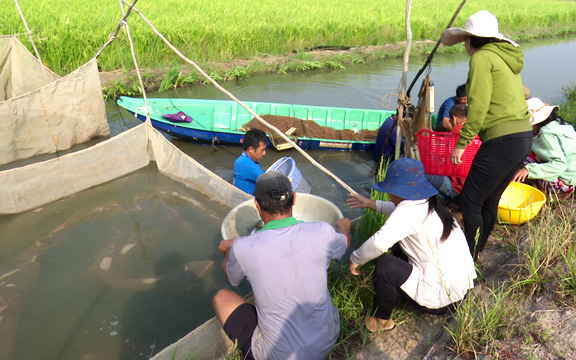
(555, 149)
(496, 104)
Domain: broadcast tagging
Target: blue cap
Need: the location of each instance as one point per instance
(405, 178)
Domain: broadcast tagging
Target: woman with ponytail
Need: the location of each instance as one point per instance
(439, 269)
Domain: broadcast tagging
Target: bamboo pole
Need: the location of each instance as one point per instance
(431, 56)
(403, 101)
(231, 96)
(28, 31)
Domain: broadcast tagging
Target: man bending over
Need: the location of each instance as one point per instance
(286, 264)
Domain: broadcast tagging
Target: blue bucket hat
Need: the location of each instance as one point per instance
(405, 179)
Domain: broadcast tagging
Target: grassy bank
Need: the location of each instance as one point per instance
(567, 109)
(69, 32)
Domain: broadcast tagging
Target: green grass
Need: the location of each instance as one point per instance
(491, 315)
(69, 32)
(352, 296)
(567, 109)
(486, 315)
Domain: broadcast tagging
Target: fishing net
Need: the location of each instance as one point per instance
(34, 185)
(42, 113)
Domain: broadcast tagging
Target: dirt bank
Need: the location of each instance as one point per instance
(547, 324)
(119, 82)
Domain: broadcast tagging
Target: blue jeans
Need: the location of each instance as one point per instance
(444, 186)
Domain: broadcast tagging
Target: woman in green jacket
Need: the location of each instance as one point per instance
(552, 163)
(498, 114)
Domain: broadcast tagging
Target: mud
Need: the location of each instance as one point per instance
(306, 129)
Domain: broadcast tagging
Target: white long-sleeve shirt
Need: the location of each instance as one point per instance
(443, 271)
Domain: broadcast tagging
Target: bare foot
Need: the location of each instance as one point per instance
(375, 325)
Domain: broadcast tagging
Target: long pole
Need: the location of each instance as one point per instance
(431, 56)
(402, 100)
(28, 31)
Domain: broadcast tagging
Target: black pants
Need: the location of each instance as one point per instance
(390, 273)
(493, 167)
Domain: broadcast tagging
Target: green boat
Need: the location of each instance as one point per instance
(221, 121)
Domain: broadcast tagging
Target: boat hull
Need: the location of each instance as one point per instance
(220, 121)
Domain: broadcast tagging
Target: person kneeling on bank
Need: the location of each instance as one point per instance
(439, 269)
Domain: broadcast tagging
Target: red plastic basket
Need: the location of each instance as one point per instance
(436, 148)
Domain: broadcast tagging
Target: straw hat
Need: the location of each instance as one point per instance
(539, 110)
(481, 24)
(405, 178)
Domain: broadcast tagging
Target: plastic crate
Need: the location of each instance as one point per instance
(436, 148)
(287, 165)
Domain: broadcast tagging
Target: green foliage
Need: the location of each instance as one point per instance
(483, 317)
(372, 220)
(568, 107)
(116, 88)
(171, 79)
(236, 73)
(549, 241)
(69, 32)
(352, 296)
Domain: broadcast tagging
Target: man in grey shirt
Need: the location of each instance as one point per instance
(286, 264)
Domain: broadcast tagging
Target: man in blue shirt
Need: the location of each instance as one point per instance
(443, 119)
(386, 149)
(247, 166)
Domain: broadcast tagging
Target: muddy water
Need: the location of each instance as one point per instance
(124, 269)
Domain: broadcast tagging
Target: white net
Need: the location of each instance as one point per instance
(34, 185)
(41, 113)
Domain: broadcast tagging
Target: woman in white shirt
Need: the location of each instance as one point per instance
(439, 270)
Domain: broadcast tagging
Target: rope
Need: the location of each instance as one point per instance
(273, 128)
(429, 60)
(123, 23)
(28, 31)
(112, 36)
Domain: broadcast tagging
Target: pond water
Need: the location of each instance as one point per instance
(124, 269)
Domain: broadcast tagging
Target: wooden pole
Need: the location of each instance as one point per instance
(403, 101)
(231, 96)
(28, 31)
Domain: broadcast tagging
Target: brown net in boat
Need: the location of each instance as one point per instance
(308, 129)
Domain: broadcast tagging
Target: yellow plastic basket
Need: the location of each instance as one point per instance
(520, 203)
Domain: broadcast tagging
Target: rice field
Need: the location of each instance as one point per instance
(69, 32)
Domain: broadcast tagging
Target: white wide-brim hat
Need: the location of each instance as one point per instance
(481, 24)
(539, 110)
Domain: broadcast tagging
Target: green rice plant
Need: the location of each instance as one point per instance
(483, 317)
(372, 220)
(69, 32)
(352, 296)
(171, 79)
(236, 73)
